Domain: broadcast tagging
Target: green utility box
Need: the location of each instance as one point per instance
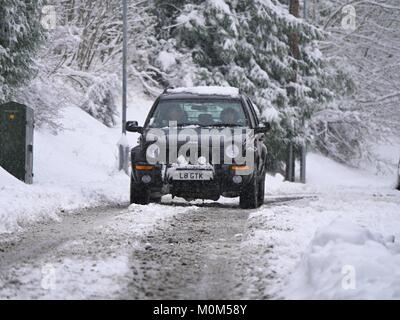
(16, 140)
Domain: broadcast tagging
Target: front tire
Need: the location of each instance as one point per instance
(249, 196)
(139, 194)
(155, 198)
(261, 191)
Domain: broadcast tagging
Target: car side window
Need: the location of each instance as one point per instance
(252, 115)
(249, 113)
(253, 112)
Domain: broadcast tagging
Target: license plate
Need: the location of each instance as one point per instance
(193, 175)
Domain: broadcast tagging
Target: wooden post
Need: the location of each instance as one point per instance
(294, 9)
(293, 167)
(303, 163)
(290, 169)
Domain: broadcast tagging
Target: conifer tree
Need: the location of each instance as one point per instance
(246, 44)
(20, 34)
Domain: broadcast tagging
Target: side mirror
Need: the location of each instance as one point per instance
(133, 126)
(263, 128)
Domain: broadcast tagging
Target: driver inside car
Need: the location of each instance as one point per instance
(229, 116)
(176, 114)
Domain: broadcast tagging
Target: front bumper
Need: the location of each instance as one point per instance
(225, 182)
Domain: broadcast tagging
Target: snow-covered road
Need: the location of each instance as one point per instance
(87, 254)
(165, 251)
(335, 243)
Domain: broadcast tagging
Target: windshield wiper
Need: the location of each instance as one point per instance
(230, 125)
(180, 125)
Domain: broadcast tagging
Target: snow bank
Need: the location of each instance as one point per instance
(74, 169)
(276, 185)
(310, 239)
(211, 90)
(85, 150)
(7, 179)
(324, 172)
(347, 261)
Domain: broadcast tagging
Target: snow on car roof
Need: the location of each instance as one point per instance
(211, 90)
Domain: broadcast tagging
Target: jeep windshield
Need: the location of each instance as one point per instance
(196, 112)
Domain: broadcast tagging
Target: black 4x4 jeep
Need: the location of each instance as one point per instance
(200, 143)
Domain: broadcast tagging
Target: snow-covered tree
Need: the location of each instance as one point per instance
(20, 35)
(364, 61)
(81, 61)
(246, 44)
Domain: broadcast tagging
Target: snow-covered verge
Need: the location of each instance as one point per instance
(75, 168)
(346, 259)
(335, 238)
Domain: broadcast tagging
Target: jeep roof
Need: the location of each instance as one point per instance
(201, 92)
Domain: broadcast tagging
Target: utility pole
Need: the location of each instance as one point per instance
(303, 149)
(290, 164)
(123, 143)
(294, 9)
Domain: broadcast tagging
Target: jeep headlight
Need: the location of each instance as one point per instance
(232, 151)
(153, 152)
